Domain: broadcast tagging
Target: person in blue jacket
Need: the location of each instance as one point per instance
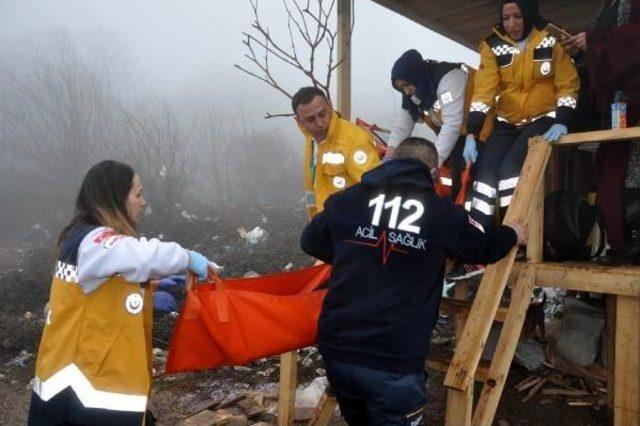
(387, 239)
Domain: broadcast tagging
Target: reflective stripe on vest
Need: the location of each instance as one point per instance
(332, 158)
(87, 394)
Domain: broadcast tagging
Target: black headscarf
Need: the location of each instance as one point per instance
(411, 67)
(529, 9)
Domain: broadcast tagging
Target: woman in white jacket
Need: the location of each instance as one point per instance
(94, 361)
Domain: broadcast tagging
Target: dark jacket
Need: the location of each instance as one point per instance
(613, 61)
(387, 239)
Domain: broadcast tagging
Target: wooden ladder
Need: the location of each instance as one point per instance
(527, 206)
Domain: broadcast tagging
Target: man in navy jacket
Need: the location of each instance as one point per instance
(387, 239)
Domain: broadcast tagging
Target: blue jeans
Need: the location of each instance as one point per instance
(376, 397)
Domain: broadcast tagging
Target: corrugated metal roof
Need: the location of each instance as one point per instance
(467, 21)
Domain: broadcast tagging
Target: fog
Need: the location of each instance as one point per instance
(153, 83)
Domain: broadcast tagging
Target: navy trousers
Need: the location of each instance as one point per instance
(498, 167)
(375, 397)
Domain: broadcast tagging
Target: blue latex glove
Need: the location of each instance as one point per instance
(555, 132)
(164, 302)
(171, 282)
(470, 152)
(199, 265)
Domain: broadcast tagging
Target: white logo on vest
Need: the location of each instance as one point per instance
(360, 157)
(134, 303)
(545, 68)
(339, 182)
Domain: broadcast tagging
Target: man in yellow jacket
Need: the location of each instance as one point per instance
(337, 152)
(526, 75)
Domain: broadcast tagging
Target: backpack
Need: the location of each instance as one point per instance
(569, 221)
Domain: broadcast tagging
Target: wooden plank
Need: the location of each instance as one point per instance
(466, 22)
(535, 245)
(324, 410)
(423, 17)
(440, 363)
(287, 390)
(459, 408)
(492, 389)
(599, 136)
(344, 54)
(627, 367)
(460, 404)
(452, 306)
(610, 336)
(485, 305)
(589, 277)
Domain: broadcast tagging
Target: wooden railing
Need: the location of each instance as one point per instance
(624, 283)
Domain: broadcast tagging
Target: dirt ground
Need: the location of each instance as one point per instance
(25, 269)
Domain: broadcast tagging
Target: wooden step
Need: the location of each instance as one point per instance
(441, 363)
(451, 306)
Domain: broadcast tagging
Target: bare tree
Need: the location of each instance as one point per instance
(155, 143)
(310, 48)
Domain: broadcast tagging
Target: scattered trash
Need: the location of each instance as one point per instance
(241, 368)
(576, 392)
(20, 360)
(160, 236)
(256, 235)
(187, 216)
(28, 316)
(264, 219)
(288, 266)
(266, 372)
(310, 395)
(215, 238)
(163, 171)
(251, 274)
(440, 341)
(242, 232)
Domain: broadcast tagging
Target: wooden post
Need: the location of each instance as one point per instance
(610, 336)
(344, 54)
(324, 410)
(469, 349)
(535, 245)
(492, 390)
(287, 390)
(627, 368)
(459, 403)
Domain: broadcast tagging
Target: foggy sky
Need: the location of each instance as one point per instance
(187, 48)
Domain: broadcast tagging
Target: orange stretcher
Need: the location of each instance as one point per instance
(236, 321)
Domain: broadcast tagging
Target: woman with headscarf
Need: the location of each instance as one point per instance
(439, 94)
(533, 84)
(614, 74)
